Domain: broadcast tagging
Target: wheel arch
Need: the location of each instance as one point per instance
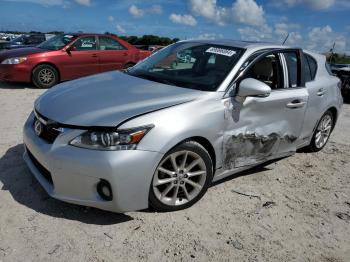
(129, 63)
(334, 112)
(206, 144)
(46, 63)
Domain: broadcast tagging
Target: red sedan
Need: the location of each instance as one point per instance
(66, 57)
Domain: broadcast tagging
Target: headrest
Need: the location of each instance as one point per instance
(263, 67)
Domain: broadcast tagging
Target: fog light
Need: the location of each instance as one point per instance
(104, 190)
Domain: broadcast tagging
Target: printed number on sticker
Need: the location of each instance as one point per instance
(221, 51)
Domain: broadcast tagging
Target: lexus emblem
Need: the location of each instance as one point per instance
(38, 127)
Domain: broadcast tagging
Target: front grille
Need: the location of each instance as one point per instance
(43, 171)
(49, 134)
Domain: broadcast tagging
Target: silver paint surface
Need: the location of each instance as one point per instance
(242, 132)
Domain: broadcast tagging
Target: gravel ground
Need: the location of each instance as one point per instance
(299, 211)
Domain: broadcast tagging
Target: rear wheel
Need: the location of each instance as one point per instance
(182, 177)
(322, 132)
(45, 76)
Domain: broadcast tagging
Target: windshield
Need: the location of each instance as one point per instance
(191, 65)
(17, 40)
(57, 42)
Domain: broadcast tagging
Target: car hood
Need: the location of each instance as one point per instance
(108, 99)
(18, 52)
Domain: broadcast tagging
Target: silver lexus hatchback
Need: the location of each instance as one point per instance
(158, 134)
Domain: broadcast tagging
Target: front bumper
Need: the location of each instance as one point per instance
(15, 73)
(75, 172)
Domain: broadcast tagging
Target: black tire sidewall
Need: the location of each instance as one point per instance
(126, 66)
(35, 76)
(202, 152)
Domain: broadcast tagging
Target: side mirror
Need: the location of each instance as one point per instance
(70, 48)
(253, 87)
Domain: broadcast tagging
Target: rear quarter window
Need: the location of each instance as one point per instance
(312, 64)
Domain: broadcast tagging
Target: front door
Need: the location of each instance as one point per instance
(263, 128)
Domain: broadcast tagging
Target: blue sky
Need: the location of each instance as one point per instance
(314, 24)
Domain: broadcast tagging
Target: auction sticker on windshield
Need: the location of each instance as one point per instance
(221, 51)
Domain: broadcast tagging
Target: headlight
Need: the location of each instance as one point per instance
(114, 140)
(14, 60)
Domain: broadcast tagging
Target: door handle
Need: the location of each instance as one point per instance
(296, 104)
(320, 92)
(125, 54)
(94, 55)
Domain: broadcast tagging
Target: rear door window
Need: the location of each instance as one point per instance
(292, 66)
(108, 43)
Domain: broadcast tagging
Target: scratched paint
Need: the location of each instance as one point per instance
(252, 148)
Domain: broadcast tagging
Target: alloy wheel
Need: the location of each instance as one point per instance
(323, 131)
(179, 178)
(46, 76)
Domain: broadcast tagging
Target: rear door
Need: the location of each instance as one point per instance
(318, 97)
(263, 128)
(82, 59)
(112, 54)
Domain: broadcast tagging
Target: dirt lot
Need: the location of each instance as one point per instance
(300, 212)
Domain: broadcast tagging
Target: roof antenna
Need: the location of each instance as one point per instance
(285, 40)
(332, 53)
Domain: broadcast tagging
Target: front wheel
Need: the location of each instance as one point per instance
(128, 65)
(45, 76)
(182, 177)
(322, 132)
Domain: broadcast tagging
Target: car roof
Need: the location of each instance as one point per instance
(240, 43)
(87, 34)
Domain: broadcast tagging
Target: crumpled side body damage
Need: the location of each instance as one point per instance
(251, 148)
(253, 136)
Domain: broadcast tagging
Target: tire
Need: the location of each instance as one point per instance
(186, 188)
(314, 145)
(174, 65)
(45, 76)
(126, 66)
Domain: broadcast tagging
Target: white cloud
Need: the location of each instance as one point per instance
(209, 36)
(322, 39)
(83, 2)
(209, 10)
(314, 4)
(319, 39)
(135, 11)
(120, 29)
(155, 9)
(183, 19)
(138, 12)
(246, 12)
(276, 34)
(263, 33)
(282, 30)
(110, 18)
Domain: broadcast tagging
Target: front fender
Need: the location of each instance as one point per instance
(199, 118)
